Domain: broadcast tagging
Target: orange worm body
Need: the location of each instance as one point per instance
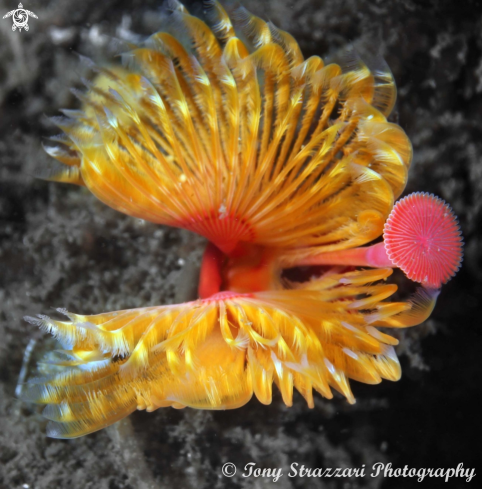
(279, 161)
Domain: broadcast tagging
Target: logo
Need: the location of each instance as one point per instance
(20, 18)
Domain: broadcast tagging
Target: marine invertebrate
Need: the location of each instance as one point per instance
(421, 237)
(277, 161)
(215, 353)
(227, 138)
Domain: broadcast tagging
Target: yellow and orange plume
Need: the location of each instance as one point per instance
(228, 139)
(277, 160)
(215, 353)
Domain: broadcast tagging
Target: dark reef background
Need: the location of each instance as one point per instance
(60, 247)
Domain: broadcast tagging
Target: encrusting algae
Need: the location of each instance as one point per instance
(279, 162)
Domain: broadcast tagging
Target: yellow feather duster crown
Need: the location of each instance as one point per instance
(228, 132)
(233, 139)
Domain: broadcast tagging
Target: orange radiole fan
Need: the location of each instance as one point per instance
(223, 128)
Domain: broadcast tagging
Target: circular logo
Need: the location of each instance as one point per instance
(229, 469)
(20, 18)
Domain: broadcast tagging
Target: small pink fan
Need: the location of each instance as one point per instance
(422, 237)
